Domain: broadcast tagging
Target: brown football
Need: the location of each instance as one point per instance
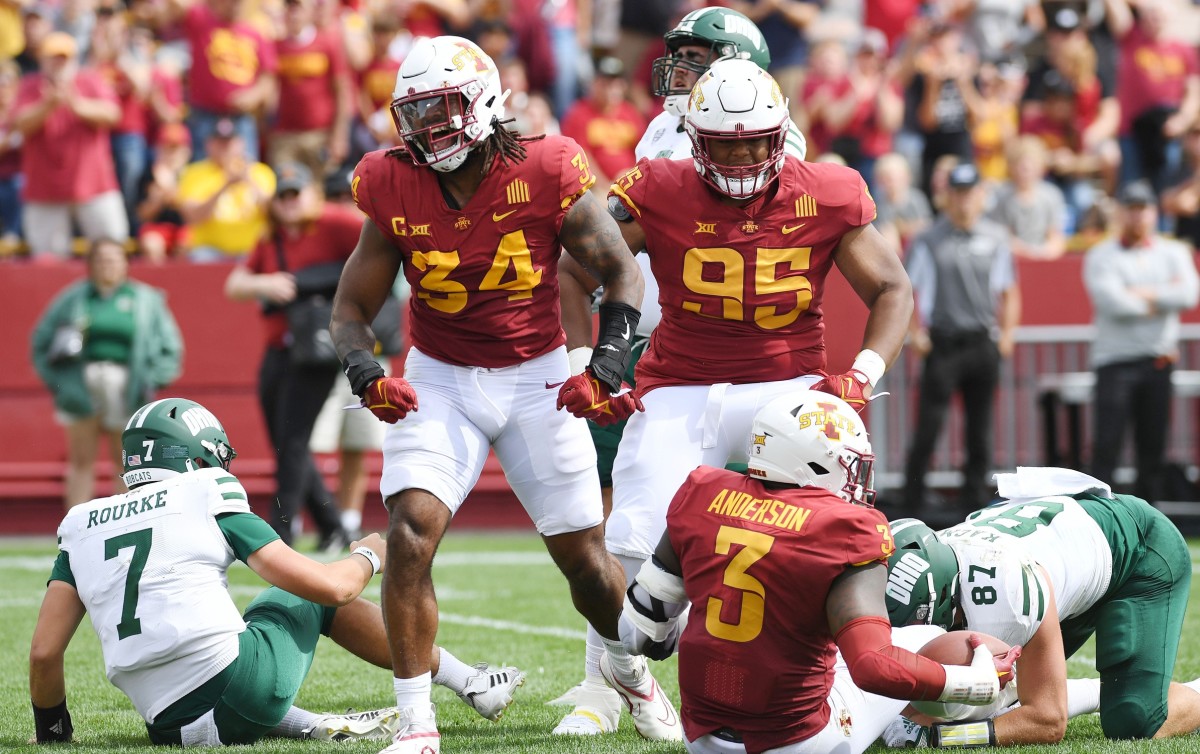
(953, 648)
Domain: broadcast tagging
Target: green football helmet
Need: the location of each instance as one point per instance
(172, 436)
(922, 585)
(724, 32)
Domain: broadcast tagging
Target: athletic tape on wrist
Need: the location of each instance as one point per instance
(870, 364)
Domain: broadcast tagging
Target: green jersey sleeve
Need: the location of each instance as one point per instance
(246, 533)
(62, 569)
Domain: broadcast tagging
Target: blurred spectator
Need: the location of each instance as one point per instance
(35, 25)
(1182, 200)
(605, 124)
(376, 81)
(232, 73)
(10, 159)
(77, 18)
(103, 347)
(1158, 86)
(1138, 282)
(12, 35)
(939, 181)
(65, 114)
(530, 111)
(308, 238)
(352, 434)
(162, 227)
(826, 83)
(224, 197)
(870, 109)
(165, 99)
(784, 24)
(892, 17)
(997, 29)
(1029, 206)
(570, 26)
(941, 94)
(967, 312)
(312, 120)
(130, 77)
(903, 211)
(994, 119)
(350, 24)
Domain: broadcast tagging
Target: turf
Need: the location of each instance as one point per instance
(501, 600)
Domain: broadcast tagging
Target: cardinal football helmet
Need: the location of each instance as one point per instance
(922, 583)
(171, 437)
(813, 439)
(737, 101)
(447, 100)
(723, 31)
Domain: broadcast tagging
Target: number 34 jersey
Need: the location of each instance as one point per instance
(740, 287)
(484, 278)
(757, 654)
(150, 567)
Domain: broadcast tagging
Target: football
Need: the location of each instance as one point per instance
(953, 648)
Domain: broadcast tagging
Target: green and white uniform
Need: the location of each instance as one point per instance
(1119, 569)
(150, 567)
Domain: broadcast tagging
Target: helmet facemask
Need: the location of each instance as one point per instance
(433, 127)
(740, 181)
(670, 71)
(860, 477)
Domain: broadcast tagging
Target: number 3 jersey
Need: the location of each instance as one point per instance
(740, 287)
(484, 278)
(757, 655)
(149, 566)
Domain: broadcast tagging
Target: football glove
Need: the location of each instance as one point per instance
(390, 399)
(587, 397)
(850, 387)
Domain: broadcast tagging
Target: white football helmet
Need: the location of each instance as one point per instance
(735, 100)
(813, 439)
(447, 100)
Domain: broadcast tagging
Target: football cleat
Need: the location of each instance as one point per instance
(489, 690)
(415, 732)
(597, 711)
(653, 714)
(376, 724)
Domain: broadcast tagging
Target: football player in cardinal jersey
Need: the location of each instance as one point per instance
(474, 215)
(740, 239)
(700, 38)
(772, 602)
(1061, 560)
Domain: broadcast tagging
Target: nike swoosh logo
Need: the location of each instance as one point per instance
(792, 229)
(497, 217)
(625, 335)
(551, 385)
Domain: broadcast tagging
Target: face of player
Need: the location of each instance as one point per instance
(684, 77)
(433, 124)
(739, 152)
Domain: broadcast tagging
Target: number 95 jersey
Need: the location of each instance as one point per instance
(484, 278)
(740, 287)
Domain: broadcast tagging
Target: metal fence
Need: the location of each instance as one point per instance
(1047, 360)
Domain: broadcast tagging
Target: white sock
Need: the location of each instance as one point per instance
(295, 721)
(591, 659)
(413, 692)
(452, 672)
(351, 520)
(1083, 696)
(622, 661)
(1193, 685)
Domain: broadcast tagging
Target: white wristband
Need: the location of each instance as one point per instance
(870, 364)
(370, 555)
(970, 684)
(578, 359)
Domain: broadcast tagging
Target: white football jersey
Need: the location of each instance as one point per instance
(665, 137)
(1001, 591)
(1056, 532)
(150, 567)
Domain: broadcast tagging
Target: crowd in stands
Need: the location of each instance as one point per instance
(156, 122)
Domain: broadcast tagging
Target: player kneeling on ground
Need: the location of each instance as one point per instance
(782, 567)
(150, 566)
(1061, 560)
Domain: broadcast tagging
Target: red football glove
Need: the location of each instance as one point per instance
(390, 399)
(851, 387)
(589, 398)
(1004, 664)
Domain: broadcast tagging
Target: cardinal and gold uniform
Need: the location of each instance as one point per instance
(487, 350)
(740, 290)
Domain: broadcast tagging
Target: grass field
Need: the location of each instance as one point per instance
(501, 600)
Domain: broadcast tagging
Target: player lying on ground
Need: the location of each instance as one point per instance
(783, 566)
(1061, 560)
(150, 568)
